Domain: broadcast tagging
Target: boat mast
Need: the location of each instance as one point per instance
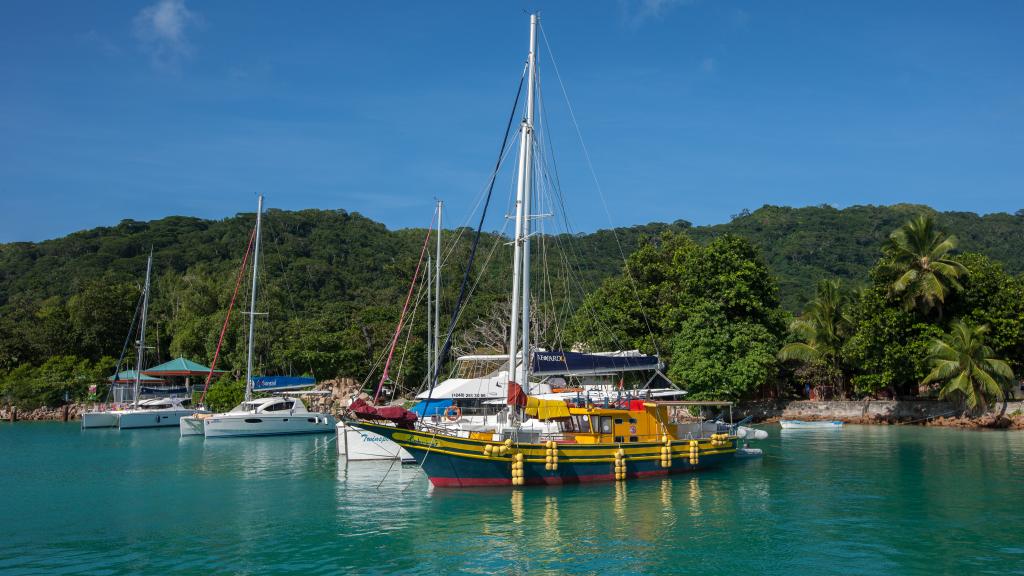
(521, 251)
(527, 192)
(430, 330)
(142, 328)
(437, 299)
(252, 302)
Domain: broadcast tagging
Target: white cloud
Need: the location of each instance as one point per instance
(637, 12)
(162, 29)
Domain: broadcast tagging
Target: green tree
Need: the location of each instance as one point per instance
(967, 368)
(715, 358)
(918, 255)
(16, 386)
(821, 331)
(889, 346)
(993, 297)
(224, 394)
(672, 276)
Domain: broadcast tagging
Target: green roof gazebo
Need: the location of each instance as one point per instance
(128, 377)
(180, 367)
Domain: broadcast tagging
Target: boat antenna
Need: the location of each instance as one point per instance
(252, 301)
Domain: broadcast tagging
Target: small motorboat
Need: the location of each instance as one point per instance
(817, 424)
(747, 452)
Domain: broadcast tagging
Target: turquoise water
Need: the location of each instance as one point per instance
(862, 500)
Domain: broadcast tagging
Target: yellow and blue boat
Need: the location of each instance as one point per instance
(633, 439)
(594, 444)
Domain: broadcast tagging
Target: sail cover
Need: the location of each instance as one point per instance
(266, 383)
(557, 362)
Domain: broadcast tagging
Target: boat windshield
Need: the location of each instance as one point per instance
(479, 367)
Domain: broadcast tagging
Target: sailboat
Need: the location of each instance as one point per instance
(143, 413)
(586, 442)
(283, 413)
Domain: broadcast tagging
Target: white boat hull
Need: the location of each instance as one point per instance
(130, 419)
(99, 419)
(801, 424)
(357, 444)
(192, 426)
(232, 425)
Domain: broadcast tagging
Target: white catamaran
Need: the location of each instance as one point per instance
(143, 413)
(270, 416)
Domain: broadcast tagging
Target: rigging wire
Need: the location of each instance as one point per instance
(405, 307)
(227, 318)
(127, 340)
(446, 348)
(597, 184)
(571, 262)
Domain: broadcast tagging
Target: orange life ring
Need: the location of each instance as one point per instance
(453, 413)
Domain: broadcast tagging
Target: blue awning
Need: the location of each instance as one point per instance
(556, 362)
(266, 383)
(430, 407)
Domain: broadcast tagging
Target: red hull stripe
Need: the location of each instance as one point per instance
(442, 482)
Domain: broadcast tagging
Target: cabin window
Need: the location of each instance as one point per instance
(606, 424)
(618, 420)
(186, 402)
(633, 439)
(279, 407)
(618, 439)
(582, 423)
(632, 420)
(253, 420)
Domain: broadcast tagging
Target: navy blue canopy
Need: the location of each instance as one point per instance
(556, 362)
(265, 383)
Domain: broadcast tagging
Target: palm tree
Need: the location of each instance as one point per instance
(966, 367)
(822, 329)
(918, 255)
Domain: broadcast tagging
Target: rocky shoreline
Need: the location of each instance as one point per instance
(881, 412)
(58, 413)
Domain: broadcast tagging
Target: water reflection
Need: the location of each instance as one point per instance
(865, 500)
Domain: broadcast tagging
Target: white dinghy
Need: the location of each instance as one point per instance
(810, 425)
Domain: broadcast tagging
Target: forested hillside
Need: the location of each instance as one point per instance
(803, 245)
(332, 282)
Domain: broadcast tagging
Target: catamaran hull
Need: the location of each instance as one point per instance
(152, 418)
(452, 462)
(99, 420)
(263, 425)
(192, 426)
(356, 444)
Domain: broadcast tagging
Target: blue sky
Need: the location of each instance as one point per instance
(691, 110)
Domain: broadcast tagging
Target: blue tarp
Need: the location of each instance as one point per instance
(556, 362)
(265, 383)
(437, 406)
